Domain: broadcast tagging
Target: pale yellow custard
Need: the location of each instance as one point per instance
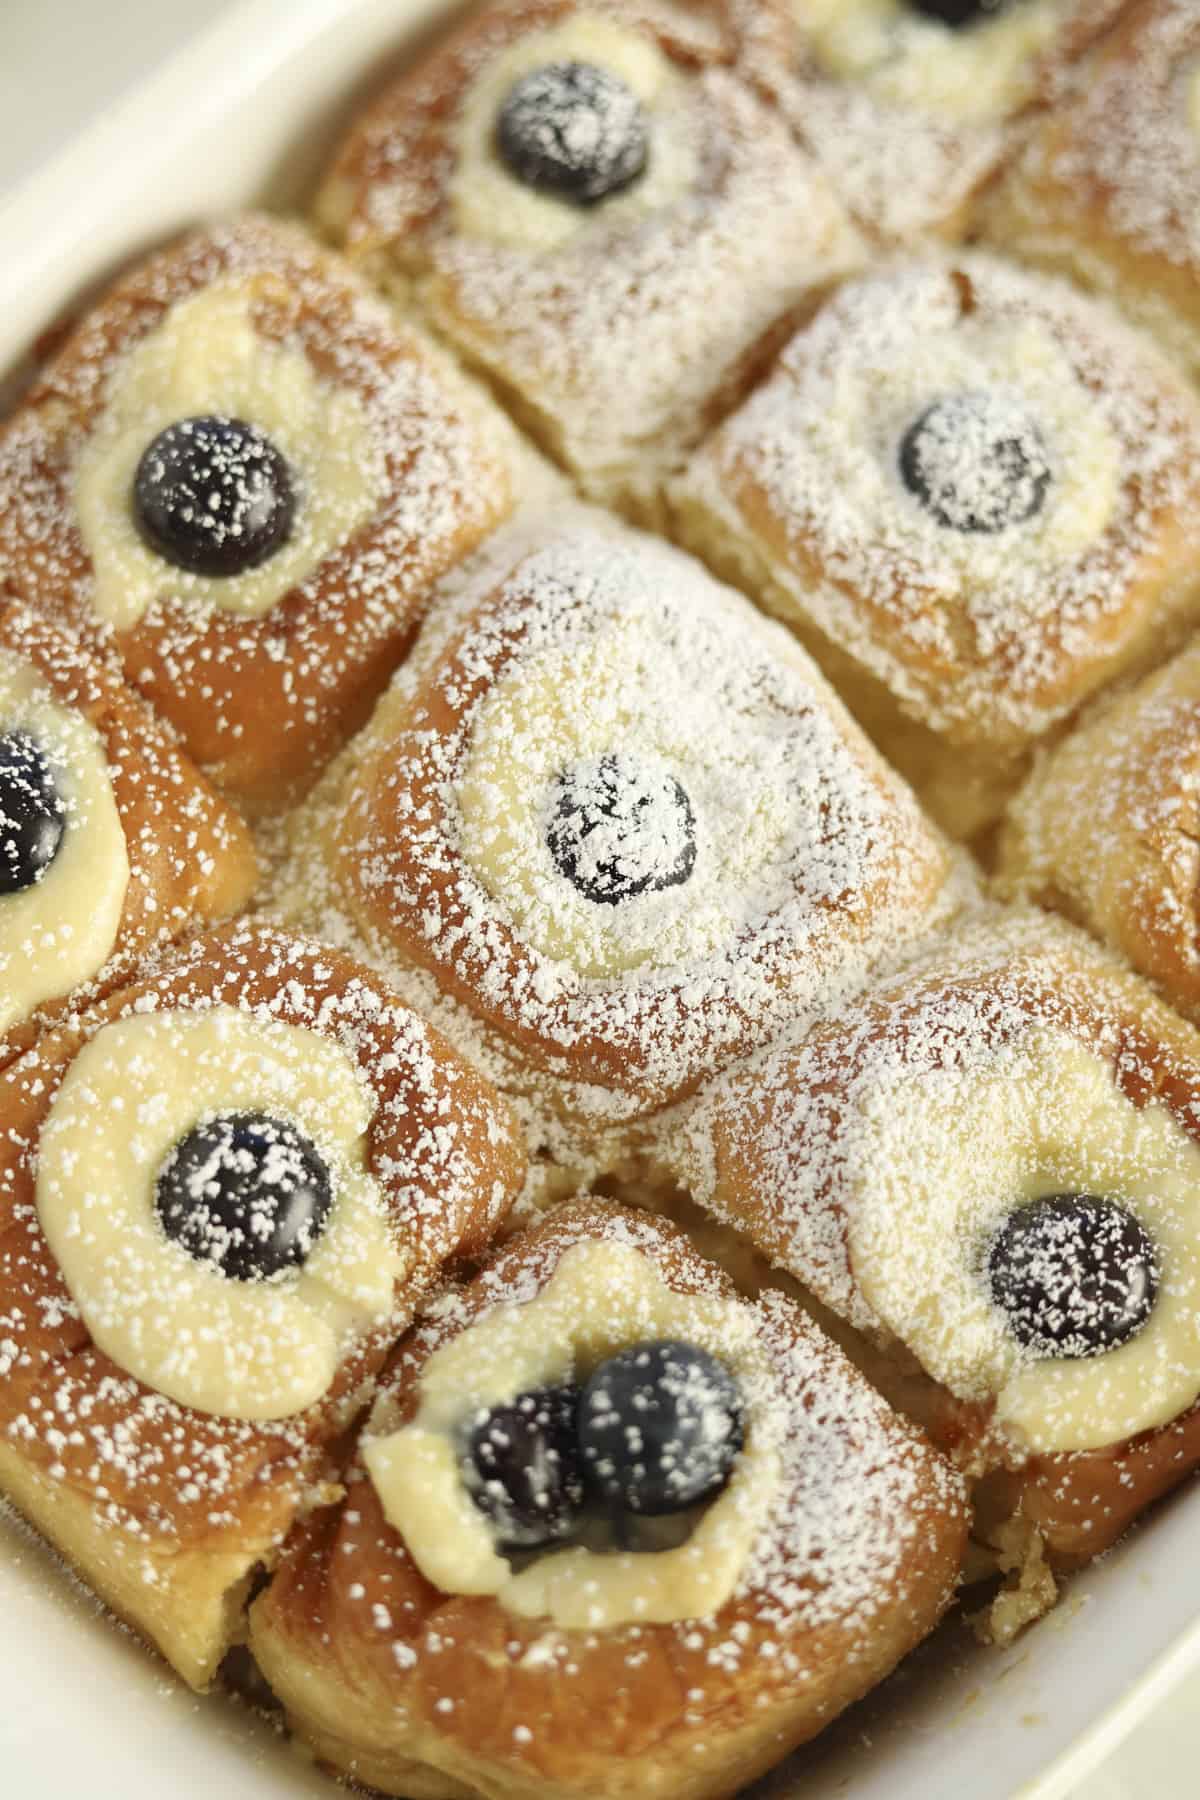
(59, 932)
(602, 1297)
(242, 1349)
(1045, 1118)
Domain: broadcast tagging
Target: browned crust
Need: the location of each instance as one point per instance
(401, 141)
(1079, 224)
(1082, 1504)
(1080, 1501)
(773, 51)
(617, 1055)
(1107, 830)
(191, 858)
(116, 1516)
(1155, 604)
(261, 703)
(339, 1677)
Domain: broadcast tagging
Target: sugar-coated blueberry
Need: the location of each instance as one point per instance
(960, 12)
(1076, 1275)
(213, 496)
(574, 131)
(521, 1466)
(247, 1193)
(620, 827)
(976, 461)
(660, 1427)
(32, 815)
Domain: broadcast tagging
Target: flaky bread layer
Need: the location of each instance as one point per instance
(189, 1604)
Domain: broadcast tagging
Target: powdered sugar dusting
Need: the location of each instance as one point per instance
(908, 115)
(990, 635)
(437, 1150)
(189, 857)
(863, 1512)
(662, 309)
(1129, 141)
(1107, 829)
(1013, 1063)
(314, 660)
(810, 861)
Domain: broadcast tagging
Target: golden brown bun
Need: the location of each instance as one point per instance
(1108, 187)
(261, 702)
(908, 139)
(424, 1693)
(960, 645)
(610, 1013)
(673, 308)
(166, 1511)
(191, 858)
(783, 1152)
(1082, 1504)
(1107, 828)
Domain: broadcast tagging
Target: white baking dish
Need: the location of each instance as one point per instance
(242, 115)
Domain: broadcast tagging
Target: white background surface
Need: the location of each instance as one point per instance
(62, 62)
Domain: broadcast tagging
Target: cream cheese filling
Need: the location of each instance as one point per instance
(971, 75)
(489, 202)
(559, 708)
(946, 1161)
(1191, 102)
(59, 932)
(206, 357)
(602, 1297)
(1021, 362)
(241, 1349)
(783, 817)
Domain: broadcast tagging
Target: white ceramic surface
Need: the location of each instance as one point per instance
(242, 111)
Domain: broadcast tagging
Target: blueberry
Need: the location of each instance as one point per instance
(214, 496)
(957, 13)
(977, 462)
(573, 131)
(32, 815)
(660, 1427)
(245, 1192)
(619, 828)
(1076, 1275)
(521, 1467)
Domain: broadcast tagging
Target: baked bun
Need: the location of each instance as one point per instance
(620, 821)
(111, 843)
(1107, 828)
(1108, 187)
(349, 473)
(909, 105)
(990, 1169)
(974, 494)
(618, 298)
(683, 1652)
(222, 1193)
